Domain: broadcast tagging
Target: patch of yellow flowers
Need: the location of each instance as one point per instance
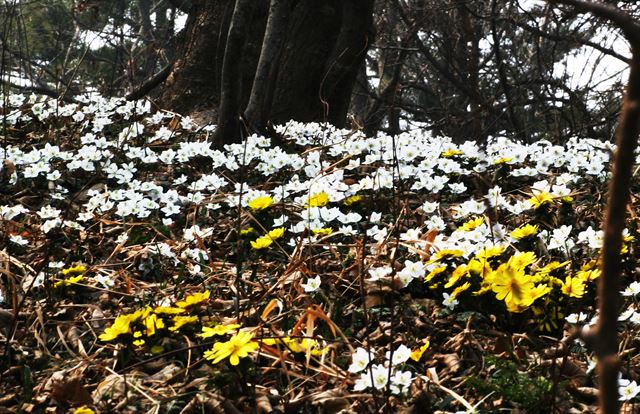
(146, 322)
(267, 240)
(73, 275)
(517, 281)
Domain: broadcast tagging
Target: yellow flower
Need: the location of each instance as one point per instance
(318, 200)
(180, 321)
(512, 285)
(119, 327)
(260, 203)
(262, 242)
(445, 254)
(68, 282)
(239, 346)
(525, 231)
(473, 224)
(522, 259)
(550, 267)
(591, 264)
(416, 354)
(152, 323)
(451, 153)
(489, 252)
(74, 270)
(460, 289)
(573, 287)
(244, 232)
(167, 310)
(208, 332)
(540, 198)
(195, 299)
(307, 344)
(539, 291)
(276, 233)
(588, 275)
(434, 273)
(352, 200)
(326, 231)
(479, 267)
(456, 275)
(83, 410)
(503, 160)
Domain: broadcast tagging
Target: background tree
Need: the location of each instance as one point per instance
(312, 63)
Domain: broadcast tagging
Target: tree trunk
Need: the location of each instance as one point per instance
(274, 38)
(195, 79)
(229, 128)
(307, 72)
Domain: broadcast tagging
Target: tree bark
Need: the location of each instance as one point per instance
(194, 81)
(302, 67)
(229, 127)
(274, 37)
(342, 66)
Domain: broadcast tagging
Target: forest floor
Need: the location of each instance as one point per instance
(151, 273)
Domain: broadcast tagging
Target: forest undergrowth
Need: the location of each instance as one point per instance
(142, 270)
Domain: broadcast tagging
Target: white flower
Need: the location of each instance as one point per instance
(279, 222)
(378, 273)
(400, 382)
(632, 290)
(457, 188)
(400, 355)
(51, 224)
(591, 365)
(375, 217)
(591, 237)
(626, 314)
(39, 281)
(429, 207)
(359, 360)
(48, 212)
(18, 239)
(635, 318)
(312, 284)
(122, 239)
(363, 382)
(560, 238)
(104, 280)
(627, 389)
(56, 265)
(380, 376)
(411, 235)
(575, 317)
(449, 301)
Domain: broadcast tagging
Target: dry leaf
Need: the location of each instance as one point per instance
(69, 390)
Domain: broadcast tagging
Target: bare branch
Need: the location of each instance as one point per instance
(148, 85)
(621, 19)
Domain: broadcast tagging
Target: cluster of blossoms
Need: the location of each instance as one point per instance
(385, 374)
(71, 276)
(145, 323)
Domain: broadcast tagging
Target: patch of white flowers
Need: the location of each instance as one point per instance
(380, 376)
(145, 173)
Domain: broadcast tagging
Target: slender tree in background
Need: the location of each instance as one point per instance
(605, 340)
